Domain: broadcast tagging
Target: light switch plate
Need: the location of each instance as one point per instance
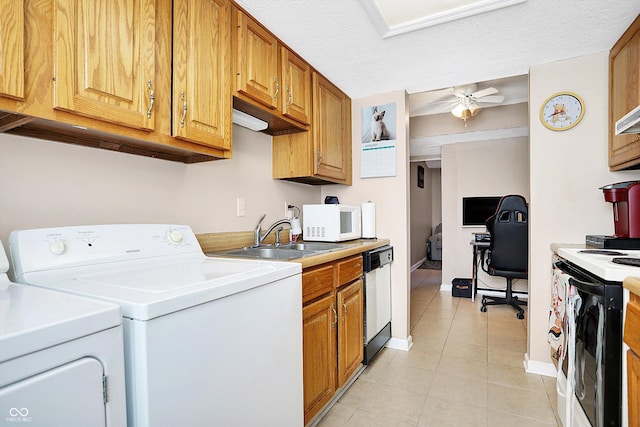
(240, 206)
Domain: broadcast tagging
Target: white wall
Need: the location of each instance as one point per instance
(567, 168)
(47, 184)
(488, 168)
(421, 212)
(436, 195)
(391, 195)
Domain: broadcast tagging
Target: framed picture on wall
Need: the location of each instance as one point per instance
(420, 176)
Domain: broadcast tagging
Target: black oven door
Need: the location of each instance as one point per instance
(598, 349)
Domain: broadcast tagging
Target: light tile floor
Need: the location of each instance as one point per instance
(465, 369)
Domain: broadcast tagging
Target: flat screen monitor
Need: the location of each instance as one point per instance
(476, 210)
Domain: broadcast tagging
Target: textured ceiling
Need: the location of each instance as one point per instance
(340, 40)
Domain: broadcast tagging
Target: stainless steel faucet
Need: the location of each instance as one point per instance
(258, 237)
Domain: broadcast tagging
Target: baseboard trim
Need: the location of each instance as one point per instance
(541, 368)
(418, 264)
(400, 344)
(445, 288)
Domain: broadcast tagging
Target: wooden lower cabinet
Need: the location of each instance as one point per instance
(319, 350)
(333, 305)
(350, 330)
(633, 382)
(632, 338)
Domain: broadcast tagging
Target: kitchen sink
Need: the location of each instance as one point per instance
(282, 252)
(313, 246)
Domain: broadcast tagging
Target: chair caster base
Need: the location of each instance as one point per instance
(483, 309)
(520, 316)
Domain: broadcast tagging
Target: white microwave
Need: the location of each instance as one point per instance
(331, 223)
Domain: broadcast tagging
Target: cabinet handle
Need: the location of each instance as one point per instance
(275, 95)
(184, 109)
(152, 99)
(335, 317)
(289, 96)
(345, 312)
(319, 158)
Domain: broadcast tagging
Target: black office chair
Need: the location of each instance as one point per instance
(509, 249)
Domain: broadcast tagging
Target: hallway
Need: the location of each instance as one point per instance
(465, 369)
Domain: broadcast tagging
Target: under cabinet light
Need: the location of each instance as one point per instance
(247, 121)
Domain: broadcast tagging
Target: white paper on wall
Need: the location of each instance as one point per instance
(378, 142)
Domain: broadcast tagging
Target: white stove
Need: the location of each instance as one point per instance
(207, 341)
(595, 395)
(600, 262)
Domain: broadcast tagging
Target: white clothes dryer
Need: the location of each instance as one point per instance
(61, 358)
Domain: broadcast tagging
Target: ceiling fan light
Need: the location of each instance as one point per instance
(459, 110)
(474, 108)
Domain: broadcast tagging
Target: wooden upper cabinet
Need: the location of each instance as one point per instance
(257, 62)
(624, 96)
(322, 155)
(296, 75)
(201, 72)
(12, 49)
(331, 130)
(105, 60)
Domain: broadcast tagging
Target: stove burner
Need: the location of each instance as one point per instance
(602, 252)
(635, 262)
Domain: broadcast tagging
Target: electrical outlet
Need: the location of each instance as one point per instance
(240, 206)
(287, 211)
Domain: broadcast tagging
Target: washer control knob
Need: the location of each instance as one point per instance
(175, 236)
(57, 247)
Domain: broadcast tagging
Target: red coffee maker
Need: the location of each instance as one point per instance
(625, 197)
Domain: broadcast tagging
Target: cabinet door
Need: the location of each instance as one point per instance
(201, 72)
(105, 60)
(624, 150)
(319, 350)
(296, 76)
(331, 113)
(350, 332)
(12, 48)
(633, 382)
(257, 62)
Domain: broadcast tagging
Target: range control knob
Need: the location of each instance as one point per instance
(57, 247)
(175, 236)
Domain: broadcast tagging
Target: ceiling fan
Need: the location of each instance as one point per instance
(468, 99)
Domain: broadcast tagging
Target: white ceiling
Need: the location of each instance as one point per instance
(342, 40)
(428, 47)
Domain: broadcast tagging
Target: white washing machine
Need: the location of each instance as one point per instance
(61, 358)
(208, 341)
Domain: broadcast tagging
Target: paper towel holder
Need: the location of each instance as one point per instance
(368, 220)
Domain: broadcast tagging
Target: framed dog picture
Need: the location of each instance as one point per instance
(420, 177)
(378, 141)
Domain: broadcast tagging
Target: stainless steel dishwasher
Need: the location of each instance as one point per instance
(377, 300)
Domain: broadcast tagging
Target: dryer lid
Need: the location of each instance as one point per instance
(32, 319)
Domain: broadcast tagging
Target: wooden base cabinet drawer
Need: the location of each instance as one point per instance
(632, 327)
(348, 270)
(316, 282)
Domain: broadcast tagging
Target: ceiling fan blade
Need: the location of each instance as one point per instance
(496, 99)
(484, 92)
(445, 101)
